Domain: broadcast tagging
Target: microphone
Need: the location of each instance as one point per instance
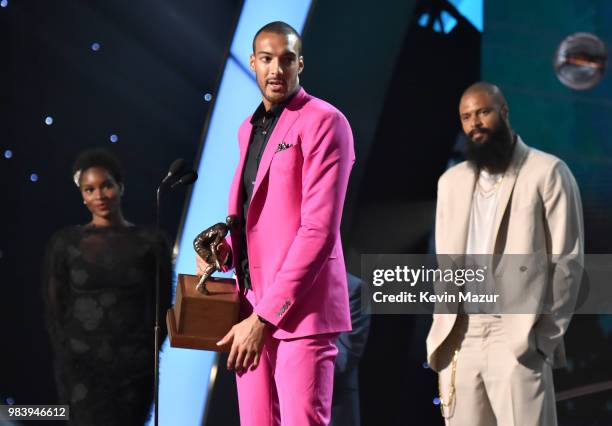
(177, 166)
(187, 179)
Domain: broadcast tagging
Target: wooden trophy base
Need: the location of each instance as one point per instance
(199, 321)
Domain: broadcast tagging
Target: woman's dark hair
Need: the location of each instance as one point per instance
(98, 157)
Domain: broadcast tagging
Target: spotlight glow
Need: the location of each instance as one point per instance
(208, 97)
(48, 120)
(436, 401)
(425, 365)
(34, 177)
(8, 154)
(4, 3)
(113, 138)
(95, 47)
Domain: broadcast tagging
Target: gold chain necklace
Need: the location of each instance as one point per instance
(487, 193)
(447, 405)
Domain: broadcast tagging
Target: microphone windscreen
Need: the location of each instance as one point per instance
(176, 166)
(188, 178)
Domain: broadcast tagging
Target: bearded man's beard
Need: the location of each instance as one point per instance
(495, 153)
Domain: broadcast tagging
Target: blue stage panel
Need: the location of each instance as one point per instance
(185, 374)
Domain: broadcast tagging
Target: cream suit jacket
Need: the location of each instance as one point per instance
(539, 212)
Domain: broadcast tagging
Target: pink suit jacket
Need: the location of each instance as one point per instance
(293, 225)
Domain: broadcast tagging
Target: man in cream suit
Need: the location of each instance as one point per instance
(507, 199)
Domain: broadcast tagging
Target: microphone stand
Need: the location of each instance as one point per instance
(186, 179)
(157, 302)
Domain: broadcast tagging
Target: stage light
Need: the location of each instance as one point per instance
(49, 120)
(113, 138)
(580, 61)
(34, 177)
(4, 3)
(445, 22)
(208, 97)
(8, 154)
(95, 47)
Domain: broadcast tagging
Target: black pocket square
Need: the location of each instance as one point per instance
(283, 146)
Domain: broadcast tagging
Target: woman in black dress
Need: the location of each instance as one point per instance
(100, 281)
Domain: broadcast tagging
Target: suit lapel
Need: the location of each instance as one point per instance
(507, 187)
(289, 115)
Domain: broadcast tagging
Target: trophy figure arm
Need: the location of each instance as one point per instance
(213, 251)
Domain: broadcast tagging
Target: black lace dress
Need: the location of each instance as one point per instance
(100, 315)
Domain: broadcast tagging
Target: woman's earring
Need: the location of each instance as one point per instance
(84, 202)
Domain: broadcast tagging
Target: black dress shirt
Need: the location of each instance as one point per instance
(263, 123)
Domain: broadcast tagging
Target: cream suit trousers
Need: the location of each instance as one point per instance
(491, 387)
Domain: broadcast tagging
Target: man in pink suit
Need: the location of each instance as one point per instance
(296, 153)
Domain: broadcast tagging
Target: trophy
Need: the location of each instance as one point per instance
(207, 245)
(206, 307)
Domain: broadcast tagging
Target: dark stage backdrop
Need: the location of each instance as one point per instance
(398, 84)
(518, 47)
(138, 70)
(147, 86)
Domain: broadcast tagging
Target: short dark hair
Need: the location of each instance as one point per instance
(280, 27)
(98, 157)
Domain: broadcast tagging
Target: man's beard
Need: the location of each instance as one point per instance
(495, 153)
